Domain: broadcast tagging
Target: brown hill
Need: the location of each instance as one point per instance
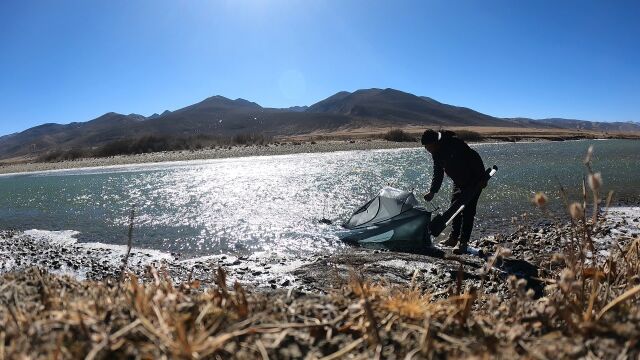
(396, 107)
(220, 116)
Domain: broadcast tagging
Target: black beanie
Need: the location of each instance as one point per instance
(429, 137)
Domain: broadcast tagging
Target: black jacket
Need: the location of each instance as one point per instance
(460, 162)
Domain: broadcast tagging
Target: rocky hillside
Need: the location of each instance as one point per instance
(222, 117)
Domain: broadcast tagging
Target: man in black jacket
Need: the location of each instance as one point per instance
(466, 169)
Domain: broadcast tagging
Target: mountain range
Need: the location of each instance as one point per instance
(220, 116)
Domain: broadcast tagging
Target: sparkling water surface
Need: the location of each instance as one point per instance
(273, 203)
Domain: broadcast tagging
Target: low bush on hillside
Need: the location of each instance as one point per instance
(250, 139)
(61, 155)
(146, 144)
(154, 143)
(468, 135)
(149, 144)
(398, 135)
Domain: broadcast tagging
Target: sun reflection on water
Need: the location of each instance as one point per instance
(273, 203)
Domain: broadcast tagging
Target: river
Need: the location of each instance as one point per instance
(273, 203)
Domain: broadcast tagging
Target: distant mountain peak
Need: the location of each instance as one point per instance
(223, 102)
(137, 117)
(358, 102)
(244, 102)
(156, 115)
(296, 108)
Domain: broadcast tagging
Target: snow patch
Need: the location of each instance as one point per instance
(64, 237)
(138, 257)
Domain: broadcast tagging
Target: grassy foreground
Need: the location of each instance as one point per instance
(587, 309)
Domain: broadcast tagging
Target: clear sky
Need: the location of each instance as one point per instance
(64, 61)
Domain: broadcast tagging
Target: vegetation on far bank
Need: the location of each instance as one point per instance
(151, 144)
(399, 135)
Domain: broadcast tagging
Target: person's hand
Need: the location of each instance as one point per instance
(429, 196)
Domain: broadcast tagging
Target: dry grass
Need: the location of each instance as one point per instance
(48, 316)
(153, 144)
(398, 135)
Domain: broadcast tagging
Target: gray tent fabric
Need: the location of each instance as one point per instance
(389, 202)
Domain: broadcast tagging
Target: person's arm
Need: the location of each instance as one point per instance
(438, 175)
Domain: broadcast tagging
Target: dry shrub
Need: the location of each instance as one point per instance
(155, 143)
(468, 135)
(413, 304)
(251, 139)
(398, 135)
(44, 315)
(146, 144)
(64, 155)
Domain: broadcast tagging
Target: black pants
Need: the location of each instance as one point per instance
(464, 220)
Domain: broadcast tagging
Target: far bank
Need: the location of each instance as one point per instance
(347, 140)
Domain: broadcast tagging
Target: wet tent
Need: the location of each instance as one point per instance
(388, 203)
(393, 219)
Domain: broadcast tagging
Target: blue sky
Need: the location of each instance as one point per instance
(63, 61)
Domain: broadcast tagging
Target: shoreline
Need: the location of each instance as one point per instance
(58, 252)
(228, 152)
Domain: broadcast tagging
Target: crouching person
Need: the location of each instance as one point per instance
(464, 166)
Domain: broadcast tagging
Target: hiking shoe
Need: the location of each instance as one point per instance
(460, 249)
(450, 242)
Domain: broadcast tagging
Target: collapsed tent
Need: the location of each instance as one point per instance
(392, 220)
